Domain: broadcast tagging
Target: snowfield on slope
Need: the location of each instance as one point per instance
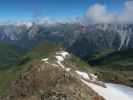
(111, 92)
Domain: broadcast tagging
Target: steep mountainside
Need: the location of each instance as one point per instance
(9, 55)
(93, 37)
(115, 66)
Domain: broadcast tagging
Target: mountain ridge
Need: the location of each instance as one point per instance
(55, 77)
(96, 36)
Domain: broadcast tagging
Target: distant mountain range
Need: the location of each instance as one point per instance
(79, 39)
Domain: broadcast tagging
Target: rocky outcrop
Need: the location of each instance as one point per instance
(51, 79)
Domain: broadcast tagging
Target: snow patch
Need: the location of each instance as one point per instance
(63, 53)
(60, 59)
(86, 76)
(46, 59)
(61, 56)
(83, 75)
(68, 69)
(109, 93)
(93, 77)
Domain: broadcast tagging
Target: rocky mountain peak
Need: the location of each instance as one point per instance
(53, 78)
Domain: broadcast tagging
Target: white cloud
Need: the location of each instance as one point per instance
(126, 15)
(98, 13)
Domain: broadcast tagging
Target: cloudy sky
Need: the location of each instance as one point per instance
(94, 11)
(100, 13)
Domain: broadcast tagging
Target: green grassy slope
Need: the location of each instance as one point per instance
(116, 66)
(13, 60)
(10, 55)
(42, 50)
